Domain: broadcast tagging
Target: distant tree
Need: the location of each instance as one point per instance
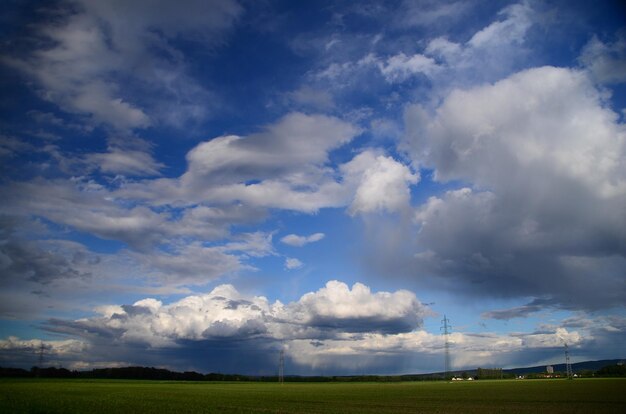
(14, 373)
(612, 371)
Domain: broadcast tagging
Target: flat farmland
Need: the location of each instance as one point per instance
(110, 396)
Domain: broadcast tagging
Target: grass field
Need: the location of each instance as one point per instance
(104, 396)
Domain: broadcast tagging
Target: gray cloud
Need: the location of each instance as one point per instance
(41, 262)
(606, 62)
(517, 312)
(292, 145)
(82, 58)
(118, 161)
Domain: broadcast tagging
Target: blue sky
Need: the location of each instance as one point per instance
(199, 184)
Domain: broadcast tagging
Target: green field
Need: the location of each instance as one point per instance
(105, 396)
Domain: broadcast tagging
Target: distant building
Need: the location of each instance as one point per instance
(550, 369)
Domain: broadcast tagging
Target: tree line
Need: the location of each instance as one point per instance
(161, 374)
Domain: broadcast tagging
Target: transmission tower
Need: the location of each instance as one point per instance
(281, 367)
(568, 365)
(42, 349)
(445, 328)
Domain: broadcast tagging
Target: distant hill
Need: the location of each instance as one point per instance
(578, 366)
(150, 373)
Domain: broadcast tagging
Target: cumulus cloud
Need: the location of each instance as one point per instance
(226, 313)
(336, 329)
(383, 183)
(299, 241)
(237, 326)
(336, 306)
(543, 154)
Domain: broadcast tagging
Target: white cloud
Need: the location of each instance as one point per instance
(542, 152)
(511, 30)
(299, 241)
(292, 263)
(334, 329)
(546, 117)
(190, 246)
(400, 67)
(337, 306)
(89, 207)
(295, 144)
(226, 313)
(129, 162)
(50, 346)
(284, 166)
(24, 352)
(491, 53)
(383, 183)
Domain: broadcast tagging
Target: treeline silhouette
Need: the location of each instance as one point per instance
(160, 374)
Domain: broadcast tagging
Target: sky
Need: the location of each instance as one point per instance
(198, 185)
